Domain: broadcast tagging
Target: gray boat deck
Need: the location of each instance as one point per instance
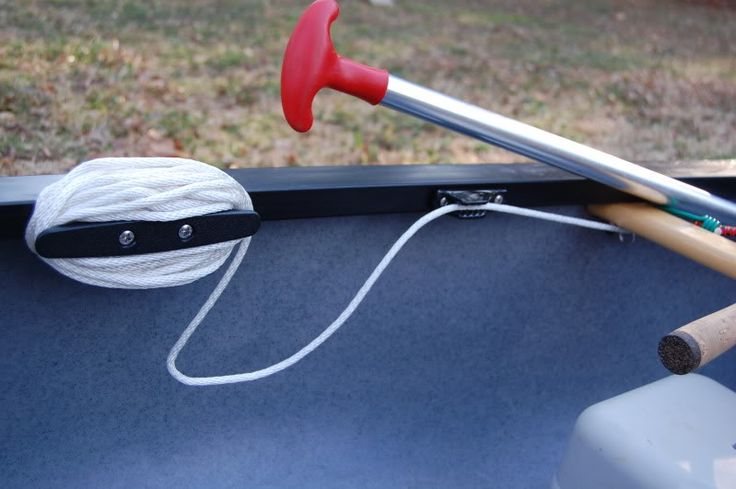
(466, 366)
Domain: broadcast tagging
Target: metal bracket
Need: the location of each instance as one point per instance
(470, 197)
(121, 238)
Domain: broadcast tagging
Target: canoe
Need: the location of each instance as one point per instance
(466, 366)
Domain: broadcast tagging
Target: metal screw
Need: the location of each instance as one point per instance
(185, 232)
(443, 201)
(498, 199)
(126, 238)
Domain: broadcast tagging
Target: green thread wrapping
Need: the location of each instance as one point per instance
(709, 223)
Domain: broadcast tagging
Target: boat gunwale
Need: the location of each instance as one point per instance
(329, 191)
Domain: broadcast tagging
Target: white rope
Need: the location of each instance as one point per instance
(168, 189)
(353, 305)
(139, 189)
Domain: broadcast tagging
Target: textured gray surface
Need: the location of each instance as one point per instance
(465, 367)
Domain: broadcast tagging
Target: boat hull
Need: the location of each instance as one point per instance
(466, 366)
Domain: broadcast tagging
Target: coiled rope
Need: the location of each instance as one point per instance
(166, 189)
(139, 189)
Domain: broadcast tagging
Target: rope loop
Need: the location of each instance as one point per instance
(359, 296)
(168, 189)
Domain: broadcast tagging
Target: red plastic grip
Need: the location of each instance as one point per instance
(311, 63)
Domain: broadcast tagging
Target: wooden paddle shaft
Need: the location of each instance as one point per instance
(699, 342)
(678, 235)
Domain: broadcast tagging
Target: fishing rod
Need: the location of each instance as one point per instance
(311, 63)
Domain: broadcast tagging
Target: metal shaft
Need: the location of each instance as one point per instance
(548, 148)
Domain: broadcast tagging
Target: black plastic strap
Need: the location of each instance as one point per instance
(122, 238)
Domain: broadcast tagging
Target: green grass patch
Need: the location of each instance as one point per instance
(489, 17)
(230, 58)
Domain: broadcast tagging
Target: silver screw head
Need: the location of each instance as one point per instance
(498, 199)
(185, 232)
(443, 201)
(126, 238)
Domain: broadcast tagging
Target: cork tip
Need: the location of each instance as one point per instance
(679, 353)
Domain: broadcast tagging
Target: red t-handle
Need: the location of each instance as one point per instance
(311, 63)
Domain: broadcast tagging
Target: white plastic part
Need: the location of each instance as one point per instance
(676, 433)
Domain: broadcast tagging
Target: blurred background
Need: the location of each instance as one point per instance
(646, 80)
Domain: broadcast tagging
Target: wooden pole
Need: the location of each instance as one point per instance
(678, 235)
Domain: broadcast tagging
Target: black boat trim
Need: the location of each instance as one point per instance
(306, 192)
(103, 239)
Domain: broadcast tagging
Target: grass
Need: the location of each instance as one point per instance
(644, 79)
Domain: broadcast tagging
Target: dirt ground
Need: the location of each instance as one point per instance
(646, 80)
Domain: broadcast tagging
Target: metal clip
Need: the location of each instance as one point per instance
(469, 197)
